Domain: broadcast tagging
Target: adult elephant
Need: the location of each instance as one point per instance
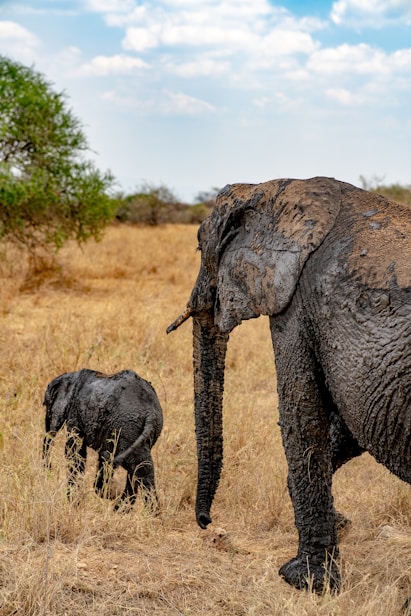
(330, 264)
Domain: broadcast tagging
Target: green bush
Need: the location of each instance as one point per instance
(152, 205)
(156, 205)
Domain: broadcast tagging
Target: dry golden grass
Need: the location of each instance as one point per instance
(108, 309)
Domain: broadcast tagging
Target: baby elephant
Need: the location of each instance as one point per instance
(118, 415)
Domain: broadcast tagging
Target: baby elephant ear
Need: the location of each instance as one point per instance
(269, 231)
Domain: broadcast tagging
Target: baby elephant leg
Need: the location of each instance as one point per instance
(140, 473)
(148, 486)
(104, 473)
(76, 455)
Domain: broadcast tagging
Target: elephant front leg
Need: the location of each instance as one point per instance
(305, 431)
(76, 455)
(306, 438)
(305, 428)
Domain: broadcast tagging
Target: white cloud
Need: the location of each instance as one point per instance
(17, 41)
(110, 6)
(372, 13)
(166, 103)
(345, 97)
(119, 64)
(282, 42)
(246, 45)
(400, 60)
(279, 101)
(348, 59)
(180, 103)
(354, 75)
(173, 34)
(233, 24)
(135, 16)
(255, 35)
(141, 39)
(201, 67)
(361, 60)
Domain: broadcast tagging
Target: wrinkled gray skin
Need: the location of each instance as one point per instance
(330, 265)
(117, 415)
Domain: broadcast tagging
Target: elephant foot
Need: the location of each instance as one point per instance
(305, 575)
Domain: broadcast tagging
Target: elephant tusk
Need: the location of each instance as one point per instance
(180, 320)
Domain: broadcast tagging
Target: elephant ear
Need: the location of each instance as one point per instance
(265, 235)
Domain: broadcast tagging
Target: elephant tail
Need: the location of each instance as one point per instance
(147, 432)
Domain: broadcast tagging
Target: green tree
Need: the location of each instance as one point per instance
(49, 191)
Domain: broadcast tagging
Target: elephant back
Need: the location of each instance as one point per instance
(380, 234)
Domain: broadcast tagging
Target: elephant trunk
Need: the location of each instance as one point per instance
(209, 351)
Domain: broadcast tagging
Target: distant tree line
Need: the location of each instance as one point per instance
(156, 204)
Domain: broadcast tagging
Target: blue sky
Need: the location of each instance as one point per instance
(197, 94)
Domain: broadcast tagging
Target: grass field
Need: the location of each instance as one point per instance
(108, 309)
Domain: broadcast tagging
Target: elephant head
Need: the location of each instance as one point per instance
(56, 400)
(253, 245)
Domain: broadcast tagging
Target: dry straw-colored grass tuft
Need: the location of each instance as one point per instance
(108, 308)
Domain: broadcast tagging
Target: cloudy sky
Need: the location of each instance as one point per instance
(199, 93)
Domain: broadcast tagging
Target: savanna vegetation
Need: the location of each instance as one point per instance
(108, 308)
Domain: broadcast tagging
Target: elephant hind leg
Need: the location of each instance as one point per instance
(151, 500)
